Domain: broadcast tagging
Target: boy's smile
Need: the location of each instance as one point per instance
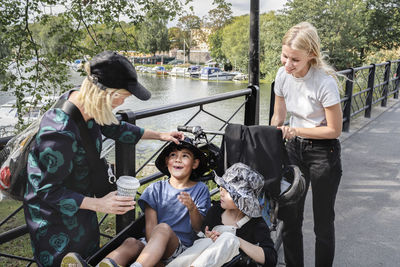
(181, 163)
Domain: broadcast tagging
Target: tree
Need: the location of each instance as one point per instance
(153, 35)
(383, 24)
(215, 44)
(340, 23)
(175, 36)
(187, 24)
(272, 29)
(37, 62)
(216, 19)
(219, 16)
(235, 42)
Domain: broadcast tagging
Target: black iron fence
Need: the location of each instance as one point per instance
(362, 88)
(125, 155)
(367, 86)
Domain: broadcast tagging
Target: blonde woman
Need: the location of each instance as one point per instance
(59, 205)
(306, 88)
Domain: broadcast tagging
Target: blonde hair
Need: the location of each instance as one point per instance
(97, 103)
(304, 36)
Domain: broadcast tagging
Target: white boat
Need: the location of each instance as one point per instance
(213, 73)
(240, 77)
(9, 113)
(193, 71)
(159, 70)
(77, 64)
(177, 71)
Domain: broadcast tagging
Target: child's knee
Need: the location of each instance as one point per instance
(133, 243)
(163, 228)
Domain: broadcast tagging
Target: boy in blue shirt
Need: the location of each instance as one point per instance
(174, 211)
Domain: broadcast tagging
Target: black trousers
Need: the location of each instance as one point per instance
(320, 162)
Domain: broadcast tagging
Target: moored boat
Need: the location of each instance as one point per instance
(159, 70)
(177, 71)
(214, 73)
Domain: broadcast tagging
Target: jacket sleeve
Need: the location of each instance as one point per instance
(263, 238)
(124, 132)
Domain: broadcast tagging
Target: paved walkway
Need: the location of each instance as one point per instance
(368, 201)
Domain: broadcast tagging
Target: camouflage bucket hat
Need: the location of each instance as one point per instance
(244, 185)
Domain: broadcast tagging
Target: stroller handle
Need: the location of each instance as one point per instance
(197, 130)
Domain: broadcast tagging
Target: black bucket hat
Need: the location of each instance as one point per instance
(188, 144)
(112, 70)
(245, 186)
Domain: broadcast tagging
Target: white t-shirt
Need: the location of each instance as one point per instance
(306, 97)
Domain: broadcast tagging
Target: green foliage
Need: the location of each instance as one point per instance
(235, 42)
(271, 31)
(219, 16)
(216, 19)
(153, 34)
(383, 28)
(382, 56)
(39, 46)
(215, 44)
(187, 24)
(340, 24)
(175, 36)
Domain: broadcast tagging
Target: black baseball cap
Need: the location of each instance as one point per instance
(112, 70)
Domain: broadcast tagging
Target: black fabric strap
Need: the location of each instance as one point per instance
(87, 141)
(97, 165)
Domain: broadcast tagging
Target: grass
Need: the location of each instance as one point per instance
(20, 246)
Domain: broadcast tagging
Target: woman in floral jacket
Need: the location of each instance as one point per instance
(59, 203)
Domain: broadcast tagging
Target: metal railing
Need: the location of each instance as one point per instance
(363, 87)
(125, 155)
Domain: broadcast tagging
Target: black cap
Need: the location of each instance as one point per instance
(112, 70)
(188, 144)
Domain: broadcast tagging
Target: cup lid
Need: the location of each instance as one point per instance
(128, 182)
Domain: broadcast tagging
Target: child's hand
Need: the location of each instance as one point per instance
(186, 200)
(211, 234)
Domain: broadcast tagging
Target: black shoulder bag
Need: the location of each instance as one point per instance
(102, 183)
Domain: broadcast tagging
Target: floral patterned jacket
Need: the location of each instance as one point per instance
(59, 177)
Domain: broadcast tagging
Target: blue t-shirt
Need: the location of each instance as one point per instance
(163, 198)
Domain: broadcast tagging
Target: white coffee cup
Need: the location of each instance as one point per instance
(127, 186)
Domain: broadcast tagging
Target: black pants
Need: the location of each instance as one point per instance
(320, 162)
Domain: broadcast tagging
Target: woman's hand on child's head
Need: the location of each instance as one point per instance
(211, 234)
(112, 203)
(172, 136)
(185, 199)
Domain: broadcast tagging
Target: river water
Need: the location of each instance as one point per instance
(171, 90)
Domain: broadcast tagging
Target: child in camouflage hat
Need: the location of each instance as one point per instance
(235, 221)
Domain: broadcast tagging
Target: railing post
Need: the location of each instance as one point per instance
(347, 104)
(252, 107)
(386, 79)
(125, 164)
(252, 114)
(254, 46)
(397, 81)
(271, 103)
(370, 93)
